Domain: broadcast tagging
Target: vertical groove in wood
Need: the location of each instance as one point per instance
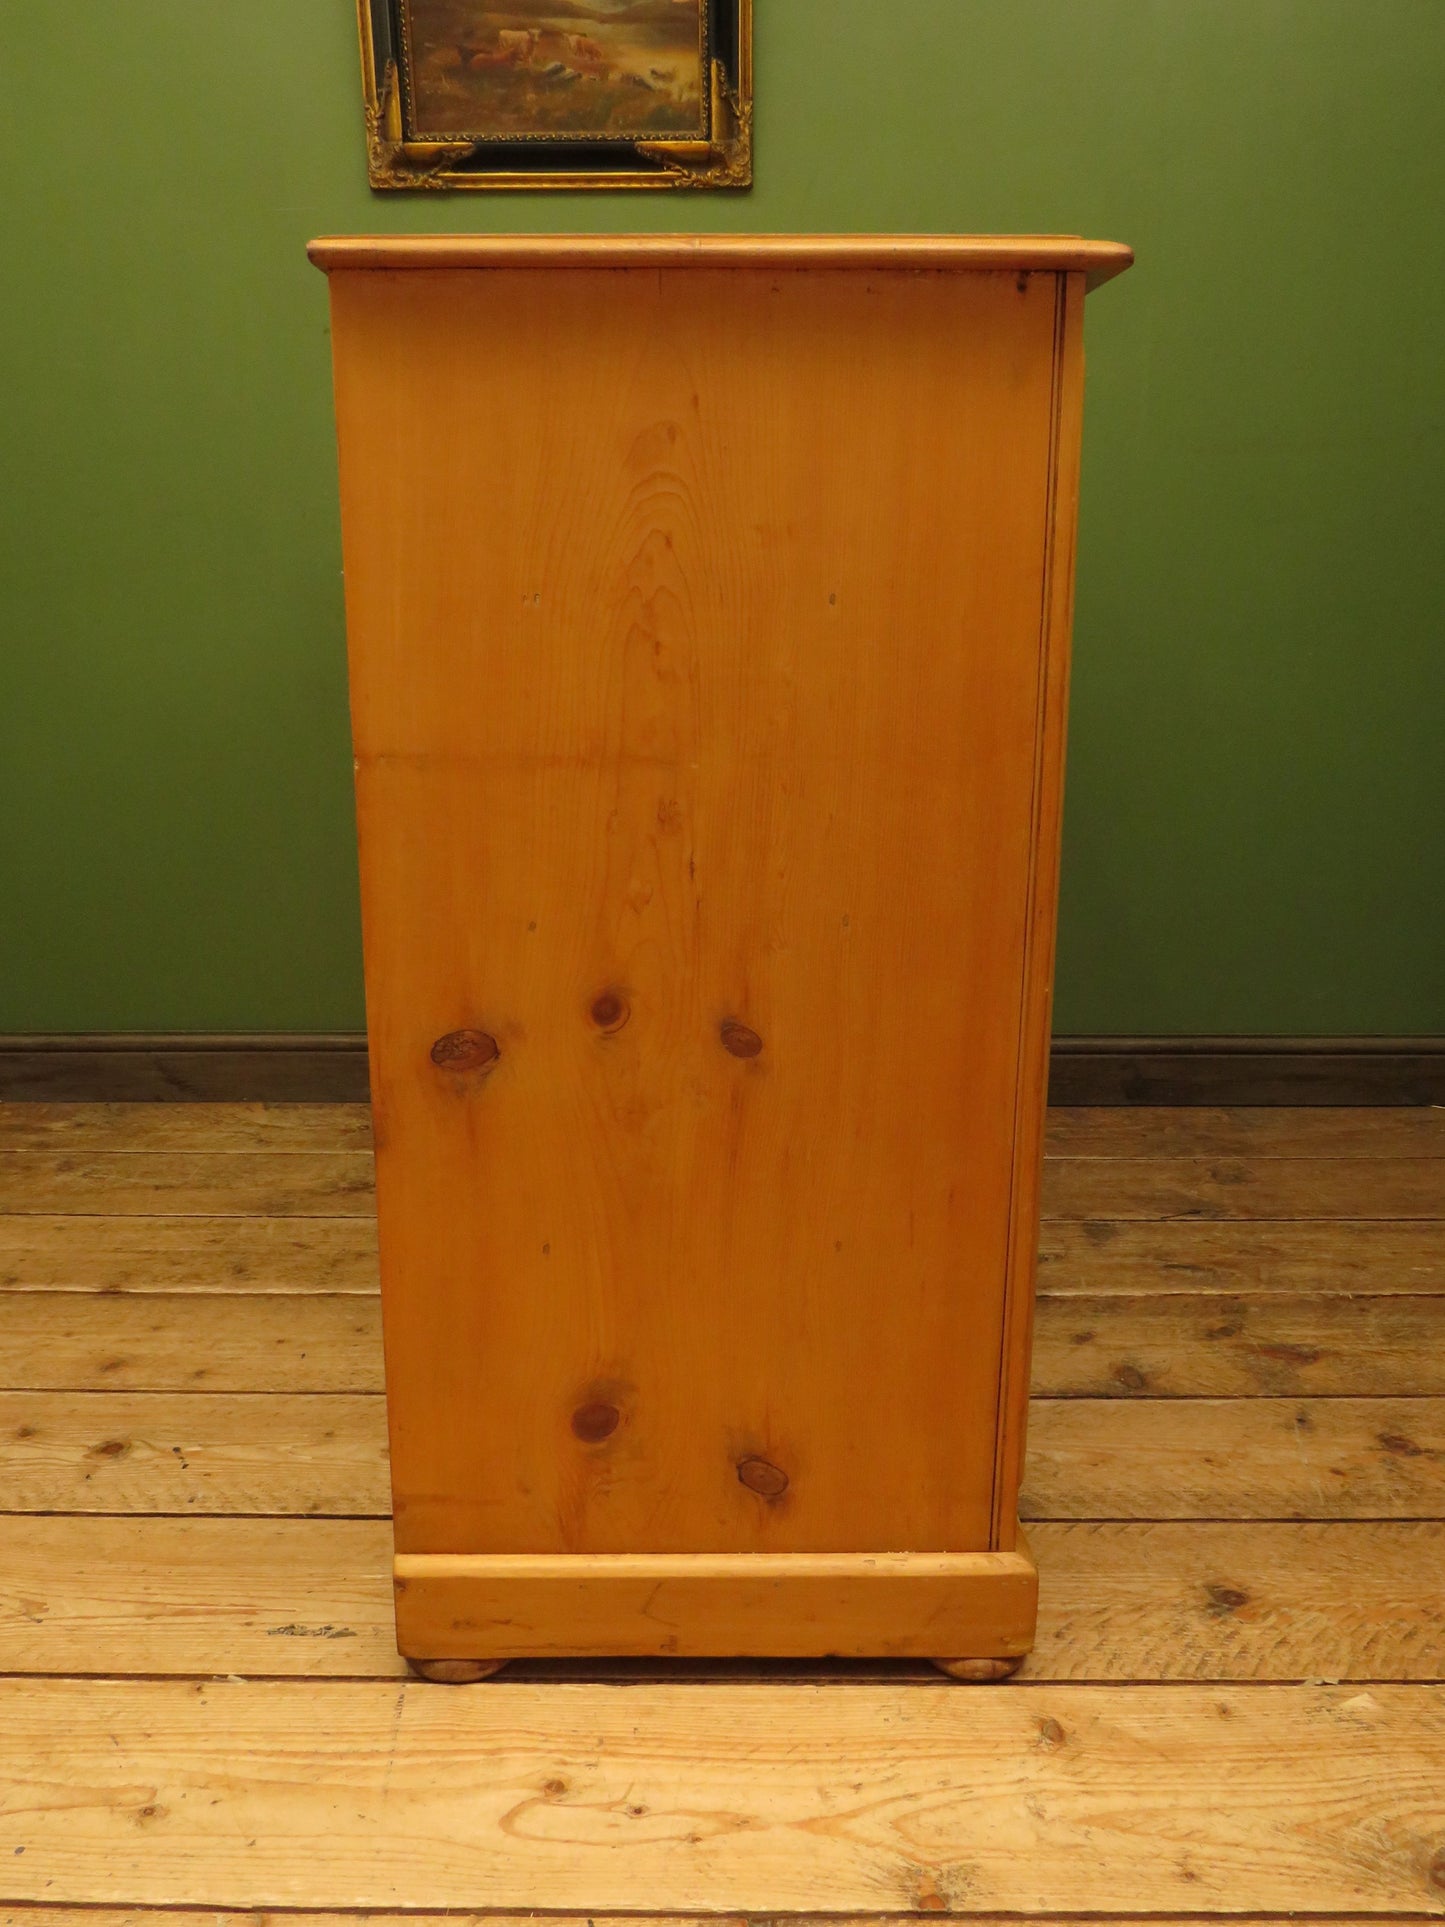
(1056, 623)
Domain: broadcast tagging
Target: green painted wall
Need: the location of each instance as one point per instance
(1257, 789)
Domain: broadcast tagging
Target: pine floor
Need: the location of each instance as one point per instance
(1236, 1492)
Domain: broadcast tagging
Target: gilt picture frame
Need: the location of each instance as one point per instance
(470, 94)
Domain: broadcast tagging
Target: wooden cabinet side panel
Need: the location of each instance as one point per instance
(1051, 739)
(694, 627)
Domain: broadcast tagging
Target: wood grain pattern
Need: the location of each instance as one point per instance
(190, 1342)
(1096, 1258)
(24, 1916)
(1031, 1088)
(192, 1452)
(1245, 1188)
(226, 1255)
(1124, 1601)
(1207, 1344)
(1359, 1260)
(758, 800)
(162, 1254)
(1095, 1131)
(1216, 1600)
(1166, 1345)
(36, 1916)
(317, 1183)
(260, 1184)
(185, 1127)
(949, 1605)
(309, 1598)
(1049, 254)
(758, 1797)
(1213, 1131)
(1325, 1458)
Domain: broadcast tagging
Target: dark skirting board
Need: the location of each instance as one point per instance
(1247, 1070)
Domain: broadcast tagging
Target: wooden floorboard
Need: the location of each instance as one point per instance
(1208, 1345)
(1099, 1257)
(45, 1252)
(310, 1453)
(151, 1342)
(248, 1184)
(53, 1252)
(1156, 1345)
(1124, 1601)
(190, 1127)
(285, 1453)
(735, 1796)
(1199, 1131)
(198, 1596)
(1322, 1458)
(1236, 1705)
(1130, 1131)
(41, 1916)
(1243, 1188)
(290, 1183)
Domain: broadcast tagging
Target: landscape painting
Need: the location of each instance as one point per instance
(582, 70)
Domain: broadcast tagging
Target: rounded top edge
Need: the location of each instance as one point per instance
(1054, 253)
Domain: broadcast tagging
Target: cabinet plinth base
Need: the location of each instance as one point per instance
(480, 1609)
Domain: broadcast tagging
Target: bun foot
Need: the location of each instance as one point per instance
(979, 1671)
(455, 1672)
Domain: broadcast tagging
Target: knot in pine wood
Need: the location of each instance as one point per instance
(609, 1011)
(738, 1039)
(466, 1050)
(759, 1475)
(595, 1421)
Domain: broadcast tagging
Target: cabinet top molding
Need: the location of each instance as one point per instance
(979, 253)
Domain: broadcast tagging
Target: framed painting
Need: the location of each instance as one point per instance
(558, 93)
